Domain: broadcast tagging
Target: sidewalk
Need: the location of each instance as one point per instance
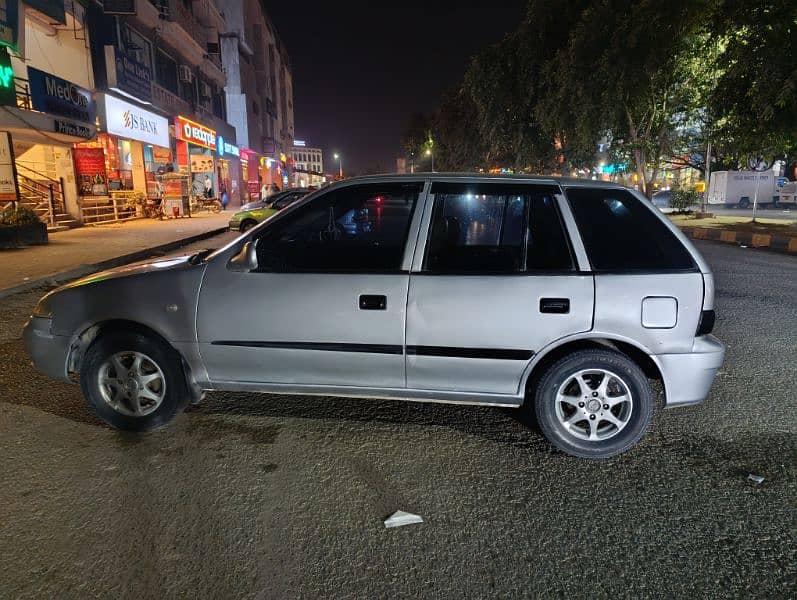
(78, 249)
(764, 233)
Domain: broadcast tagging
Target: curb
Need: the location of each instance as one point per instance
(781, 243)
(84, 270)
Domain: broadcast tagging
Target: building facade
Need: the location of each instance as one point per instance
(46, 85)
(161, 107)
(259, 93)
(307, 166)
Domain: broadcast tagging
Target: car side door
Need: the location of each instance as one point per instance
(326, 304)
(496, 282)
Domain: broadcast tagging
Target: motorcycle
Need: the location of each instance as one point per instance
(151, 208)
(200, 202)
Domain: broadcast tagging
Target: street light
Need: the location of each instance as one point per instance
(430, 154)
(340, 164)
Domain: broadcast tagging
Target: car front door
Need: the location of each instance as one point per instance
(327, 302)
(496, 282)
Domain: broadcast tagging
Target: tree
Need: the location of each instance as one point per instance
(458, 145)
(416, 135)
(756, 94)
(619, 77)
(507, 84)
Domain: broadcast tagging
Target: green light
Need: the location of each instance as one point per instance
(6, 76)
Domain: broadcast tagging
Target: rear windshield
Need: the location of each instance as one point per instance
(621, 234)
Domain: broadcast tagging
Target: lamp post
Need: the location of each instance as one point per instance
(430, 153)
(339, 158)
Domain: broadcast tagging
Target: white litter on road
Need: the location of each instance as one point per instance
(757, 479)
(399, 518)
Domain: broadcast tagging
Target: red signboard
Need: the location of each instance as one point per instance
(92, 180)
(195, 133)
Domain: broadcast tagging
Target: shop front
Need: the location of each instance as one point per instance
(44, 123)
(196, 145)
(228, 172)
(123, 167)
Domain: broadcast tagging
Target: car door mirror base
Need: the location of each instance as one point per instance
(246, 259)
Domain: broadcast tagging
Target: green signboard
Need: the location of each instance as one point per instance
(8, 93)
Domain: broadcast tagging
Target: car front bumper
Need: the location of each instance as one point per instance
(688, 377)
(235, 225)
(48, 352)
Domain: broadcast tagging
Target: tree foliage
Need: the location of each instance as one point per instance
(655, 81)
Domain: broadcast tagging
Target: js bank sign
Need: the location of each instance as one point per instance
(131, 122)
(195, 133)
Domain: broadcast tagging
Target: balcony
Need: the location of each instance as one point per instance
(170, 102)
(179, 17)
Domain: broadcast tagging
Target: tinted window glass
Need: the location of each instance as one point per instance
(497, 232)
(358, 228)
(621, 234)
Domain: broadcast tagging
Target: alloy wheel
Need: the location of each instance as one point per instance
(594, 404)
(132, 383)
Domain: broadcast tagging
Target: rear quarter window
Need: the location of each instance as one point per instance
(621, 234)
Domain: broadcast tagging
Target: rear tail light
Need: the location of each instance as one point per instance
(706, 325)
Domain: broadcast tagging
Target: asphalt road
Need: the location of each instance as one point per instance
(255, 496)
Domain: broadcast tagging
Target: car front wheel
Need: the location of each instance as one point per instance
(594, 403)
(133, 382)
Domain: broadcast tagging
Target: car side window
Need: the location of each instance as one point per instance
(496, 229)
(359, 228)
(620, 233)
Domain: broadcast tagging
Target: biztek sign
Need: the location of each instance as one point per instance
(195, 133)
(129, 121)
(56, 96)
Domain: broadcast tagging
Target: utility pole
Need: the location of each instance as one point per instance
(708, 176)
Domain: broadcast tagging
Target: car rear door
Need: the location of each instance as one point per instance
(494, 282)
(326, 305)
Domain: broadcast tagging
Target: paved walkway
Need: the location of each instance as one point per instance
(76, 248)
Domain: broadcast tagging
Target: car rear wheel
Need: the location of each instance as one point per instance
(247, 225)
(593, 403)
(133, 382)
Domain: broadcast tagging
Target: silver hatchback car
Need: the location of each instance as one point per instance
(561, 297)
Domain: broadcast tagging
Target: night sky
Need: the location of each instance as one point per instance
(361, 68)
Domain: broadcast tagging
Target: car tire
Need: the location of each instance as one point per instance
(593, 403)
(744, 203)
(131, 395)
(247, 225)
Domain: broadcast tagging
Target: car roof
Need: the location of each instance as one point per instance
(483, 177)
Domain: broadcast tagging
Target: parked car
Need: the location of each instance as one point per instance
(559, 297)
(254, 212)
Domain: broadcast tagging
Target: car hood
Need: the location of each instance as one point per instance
(131, 270)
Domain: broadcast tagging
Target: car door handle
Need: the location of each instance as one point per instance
(558, 306)
(373, 302)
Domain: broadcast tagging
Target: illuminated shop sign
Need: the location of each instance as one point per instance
(195, 133)
(224, 147)
(129, 121)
